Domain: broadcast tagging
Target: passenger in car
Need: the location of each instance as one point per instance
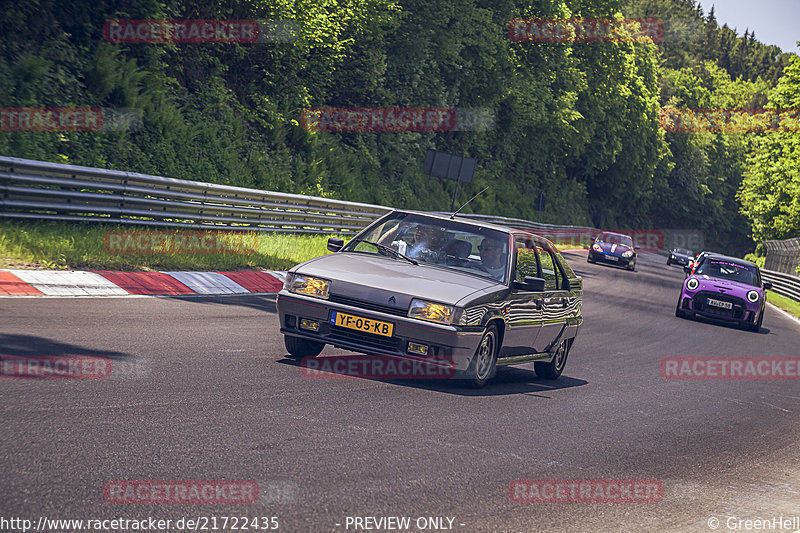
(493, 258)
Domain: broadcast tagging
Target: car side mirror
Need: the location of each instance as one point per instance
(530, 284)
(767, 285)
(687, 269)
(636, 248)
(334, 245)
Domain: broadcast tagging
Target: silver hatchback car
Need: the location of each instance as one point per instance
(443, 290)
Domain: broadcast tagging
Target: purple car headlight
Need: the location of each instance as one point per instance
(753, 296)
(692, 284)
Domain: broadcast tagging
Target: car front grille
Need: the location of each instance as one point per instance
(363, 339)
(699, 304)
(389, 310)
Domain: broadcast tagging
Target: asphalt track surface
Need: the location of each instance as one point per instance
(200, 389)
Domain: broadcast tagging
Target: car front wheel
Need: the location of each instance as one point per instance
(484, 364)
(757, 326)
(554, 368)
(299, 348)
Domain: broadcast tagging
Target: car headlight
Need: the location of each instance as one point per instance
(307, 285)
(597, 248)
(692, 284)
(753, 296)
(627, 253)
(432, 312)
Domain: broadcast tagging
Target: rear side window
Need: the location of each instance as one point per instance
(551, 269)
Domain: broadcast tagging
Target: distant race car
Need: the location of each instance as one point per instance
(724, 288)
(614, 248)
(679, 256)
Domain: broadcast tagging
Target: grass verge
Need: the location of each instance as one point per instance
(787, 304)
(84, 246)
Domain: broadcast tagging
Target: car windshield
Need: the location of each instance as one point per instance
(715, 268)
(612, 238)
(444, 243)
(682, 251)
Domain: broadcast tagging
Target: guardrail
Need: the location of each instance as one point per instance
(784, 284)
(783, 256)
(42, 190)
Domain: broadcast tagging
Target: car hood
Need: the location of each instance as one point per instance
(378, 278)
(724, 286)
(616, 249)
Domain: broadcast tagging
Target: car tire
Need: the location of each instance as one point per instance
(554, 368)
(484, 364)
(755, 328)
(632, 267)
(669, 262)
(589, 259)
(680, 313)
(299, 348)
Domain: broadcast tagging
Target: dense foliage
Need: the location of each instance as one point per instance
(577, 121)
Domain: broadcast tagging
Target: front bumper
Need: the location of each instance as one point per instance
(451, 346)
(742, 311)
(611, 259)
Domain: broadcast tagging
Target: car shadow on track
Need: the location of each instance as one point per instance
(260, 302)
(23, 350)
(509, 380)
(725, 324)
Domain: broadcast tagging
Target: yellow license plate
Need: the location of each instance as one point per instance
(367, 325)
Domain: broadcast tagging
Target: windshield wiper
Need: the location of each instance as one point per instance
(387, 250)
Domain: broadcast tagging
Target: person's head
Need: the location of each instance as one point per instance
(491, 251)
(424, 234)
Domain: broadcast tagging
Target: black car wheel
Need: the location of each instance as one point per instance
(554, 368)
(589, 259)
(631, 266)
(298, 347)
(757, 326)
(680, 313)
(484, 364)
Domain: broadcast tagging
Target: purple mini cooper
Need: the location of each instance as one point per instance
(724, 288)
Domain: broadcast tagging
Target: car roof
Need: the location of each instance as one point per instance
(473, 221)
(617, 234)
(734, 260)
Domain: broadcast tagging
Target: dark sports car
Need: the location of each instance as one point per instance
(724, 288)
(439, 290)
(680, 256)
(614, 248)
